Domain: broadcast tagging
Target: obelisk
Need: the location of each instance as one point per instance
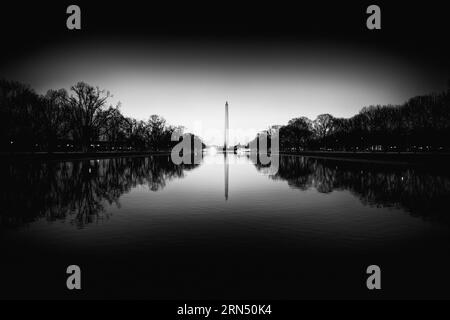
(225, 145)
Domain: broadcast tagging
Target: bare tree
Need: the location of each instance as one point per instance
(89, 113)
(156, 130)
(53, 116)
(323, 125)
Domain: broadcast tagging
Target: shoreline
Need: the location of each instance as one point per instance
(379, 157)
(408, 158)
(76, 155)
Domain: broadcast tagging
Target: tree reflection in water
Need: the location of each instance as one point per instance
(421, 191)
(56, 190)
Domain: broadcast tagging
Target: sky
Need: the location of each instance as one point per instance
(188, 82)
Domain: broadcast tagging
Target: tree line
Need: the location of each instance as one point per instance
(77, 120)
(420, 124)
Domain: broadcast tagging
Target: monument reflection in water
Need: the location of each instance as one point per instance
(307, 231)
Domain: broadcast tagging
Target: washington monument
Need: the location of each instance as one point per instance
(225, 147)
(225, 144)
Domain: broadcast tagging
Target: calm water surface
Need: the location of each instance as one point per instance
(142, 227)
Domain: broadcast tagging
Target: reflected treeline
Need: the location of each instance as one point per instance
(78, 189)
(421, 191)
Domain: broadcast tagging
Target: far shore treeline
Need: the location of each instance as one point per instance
(422, 124)
(79, 120)
(83, 120)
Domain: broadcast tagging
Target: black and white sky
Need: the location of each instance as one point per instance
(270, 64)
